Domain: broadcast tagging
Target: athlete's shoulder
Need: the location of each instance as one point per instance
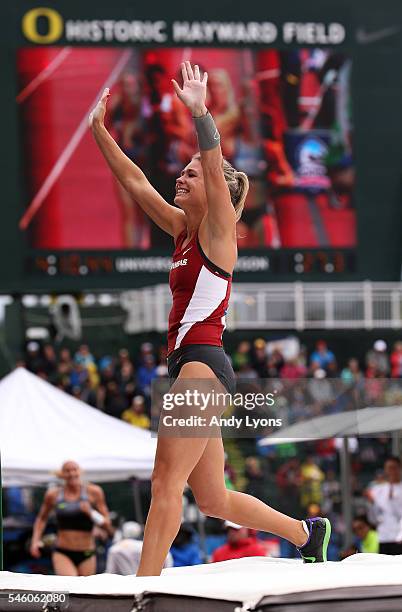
(52, 494)
(95, 490)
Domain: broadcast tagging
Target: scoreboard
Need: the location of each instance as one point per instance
(307, 98)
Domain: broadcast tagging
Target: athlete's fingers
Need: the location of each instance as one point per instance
(184, 72)
(105, 95)
(189, 70)
(205, 78)
(176, 87)
(197, 72)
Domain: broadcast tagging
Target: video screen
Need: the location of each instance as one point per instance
(285, 118)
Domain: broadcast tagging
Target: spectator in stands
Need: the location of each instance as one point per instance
(125, 377)
(292, 369)
(146, 348)
(241, 356)
(65, 364)
(331, 493)
(322, 357)
(135, 414)
(93, 375)
(352, 373)
(321, 390)
(123, 360)
(107, 373)
(246, 371)
(332, 369)
(367, 535)
(240, 543)
(115, 403)
(34, 360)
(396, 360)
(105, 362)
(311, 482)
(259, 358)
(377, 361)
(256, 484)
(50, 362)
(275, 364)
(78, 375)
(101, 398)
(185, 550)
(146, 373)
(325, 450)
(88, 393)
(83, 356)
(65, 356)
(124, 555)
(288, 480)
(386, 509)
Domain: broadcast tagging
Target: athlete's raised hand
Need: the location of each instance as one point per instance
(194, 91)
(97, 115)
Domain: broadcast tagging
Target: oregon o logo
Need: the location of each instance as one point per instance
(54, 25)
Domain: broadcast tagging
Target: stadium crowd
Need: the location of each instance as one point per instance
(299, 480)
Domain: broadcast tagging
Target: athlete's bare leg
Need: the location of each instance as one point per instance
(200, 462)
(208, 485)
(87, 567)
(175, 459)
(62, 565)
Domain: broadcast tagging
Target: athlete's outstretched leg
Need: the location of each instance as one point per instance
(208, 485)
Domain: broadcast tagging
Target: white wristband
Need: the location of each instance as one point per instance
(97, 517)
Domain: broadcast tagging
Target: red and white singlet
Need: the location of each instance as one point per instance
(200, 293)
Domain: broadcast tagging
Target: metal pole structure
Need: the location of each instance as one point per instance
(346, 491)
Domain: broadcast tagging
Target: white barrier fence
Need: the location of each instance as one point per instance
(297, 306)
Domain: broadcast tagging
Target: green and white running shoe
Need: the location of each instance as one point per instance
(315, 549)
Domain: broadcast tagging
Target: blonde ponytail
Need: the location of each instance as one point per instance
(243, 186)
(238, 187)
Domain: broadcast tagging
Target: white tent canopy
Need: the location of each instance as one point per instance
(41, 427)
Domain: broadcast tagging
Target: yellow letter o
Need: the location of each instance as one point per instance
(55, 25)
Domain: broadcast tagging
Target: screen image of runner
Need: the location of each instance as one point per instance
(285, 119)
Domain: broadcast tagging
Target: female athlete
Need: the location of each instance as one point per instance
(78, 509)
(209, 199)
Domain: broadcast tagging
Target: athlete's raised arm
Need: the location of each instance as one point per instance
(131, 177)
(221, 216)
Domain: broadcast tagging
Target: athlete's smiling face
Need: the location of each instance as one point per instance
(190, 189)
(71, 472)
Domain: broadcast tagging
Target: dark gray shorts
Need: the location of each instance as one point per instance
(213, 356)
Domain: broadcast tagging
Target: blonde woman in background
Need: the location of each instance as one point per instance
(78, 508)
